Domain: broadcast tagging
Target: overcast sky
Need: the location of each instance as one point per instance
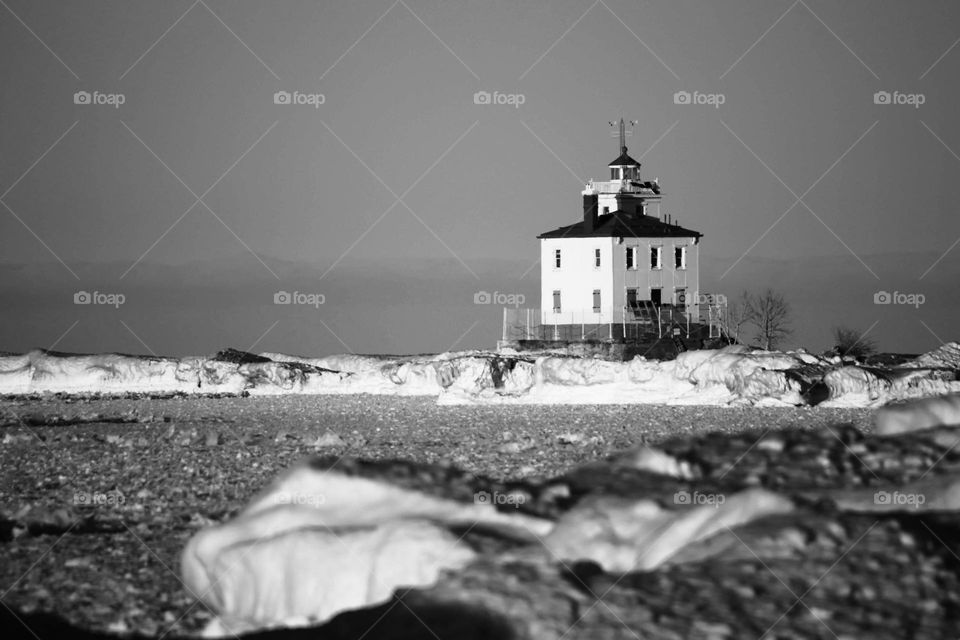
(399, 197)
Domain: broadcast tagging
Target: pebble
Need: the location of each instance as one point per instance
(329, 440)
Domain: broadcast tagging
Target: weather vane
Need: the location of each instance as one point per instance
(623, 132)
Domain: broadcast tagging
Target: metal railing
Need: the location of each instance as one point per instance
(625, 186)
(643, 321)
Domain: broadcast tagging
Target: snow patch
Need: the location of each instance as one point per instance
(623, 535)
(319, 541)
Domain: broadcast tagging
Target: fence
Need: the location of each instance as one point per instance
(643, 322)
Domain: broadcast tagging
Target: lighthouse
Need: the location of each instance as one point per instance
(624, 263)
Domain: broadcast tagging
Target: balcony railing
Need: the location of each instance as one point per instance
(619, 186)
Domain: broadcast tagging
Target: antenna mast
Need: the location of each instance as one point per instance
(623, 132)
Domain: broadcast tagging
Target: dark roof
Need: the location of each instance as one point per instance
(621, 223)
(624, 159)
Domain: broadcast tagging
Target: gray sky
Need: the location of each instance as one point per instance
(302, 198)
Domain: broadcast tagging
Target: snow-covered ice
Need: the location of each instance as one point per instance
(735, 375)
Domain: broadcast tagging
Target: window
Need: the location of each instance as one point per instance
(631, 257)
(596, 258)
(656, 258)
(681, 297)
(556, 258)
(680, 257)
(596, 300)
(556, 301)
(632, 302)
(614, 173)
(606, 210)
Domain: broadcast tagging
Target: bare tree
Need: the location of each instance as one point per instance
(739, 315)
(851, 342)
(770, 314)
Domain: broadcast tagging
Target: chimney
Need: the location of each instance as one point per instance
(590, 212)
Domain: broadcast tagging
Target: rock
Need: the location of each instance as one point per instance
(119, 627)
(328, 440)
(212, 439)
(17, 438)
(772, 444)
(356, 440)
(516, 446)
(569, 438)
(236, 356)
(657, 461)
(936, 493)
(73, 563)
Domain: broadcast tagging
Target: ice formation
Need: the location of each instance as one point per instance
(736, 375)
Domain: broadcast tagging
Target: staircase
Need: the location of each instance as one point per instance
(679, 344)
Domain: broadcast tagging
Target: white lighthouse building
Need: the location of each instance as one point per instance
(623, 263)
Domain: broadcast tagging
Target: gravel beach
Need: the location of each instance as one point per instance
(143, 475)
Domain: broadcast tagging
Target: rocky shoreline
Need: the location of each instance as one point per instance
(835, 558)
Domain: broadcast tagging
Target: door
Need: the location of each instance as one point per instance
(656, 297)
(633, 306)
